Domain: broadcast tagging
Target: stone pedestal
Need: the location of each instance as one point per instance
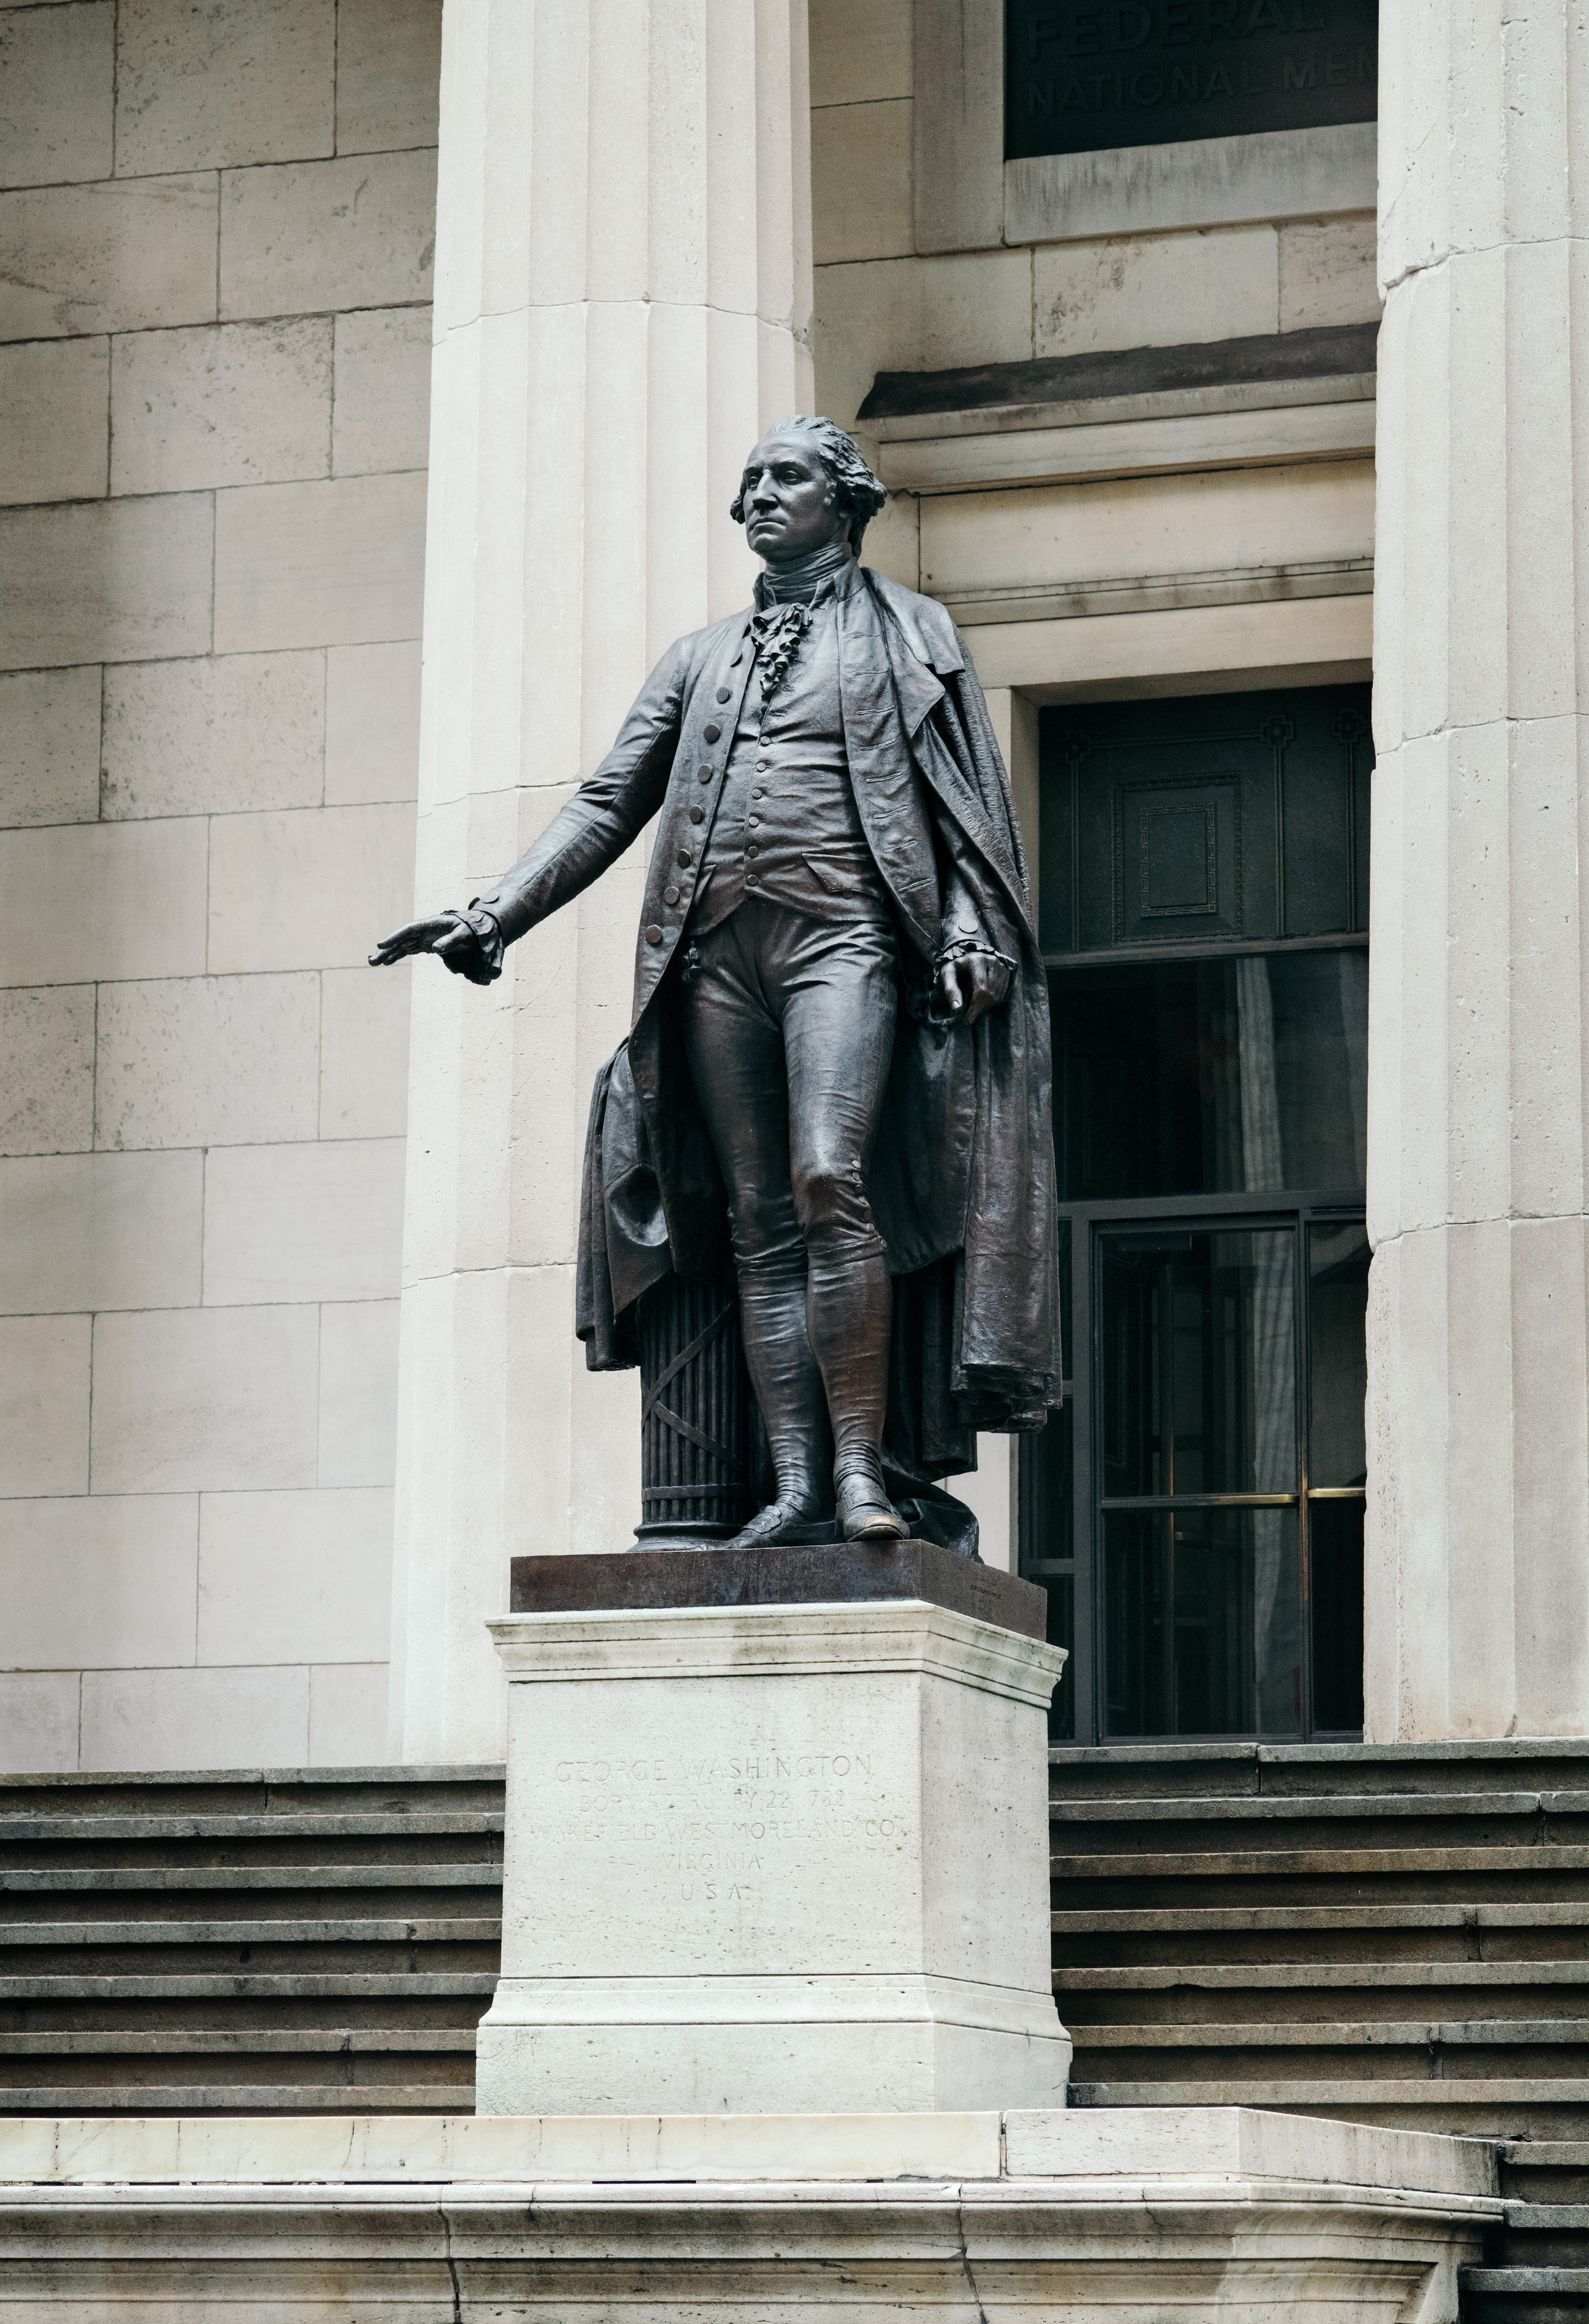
(774, 1856)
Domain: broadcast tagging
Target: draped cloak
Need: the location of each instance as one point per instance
(962, 1181)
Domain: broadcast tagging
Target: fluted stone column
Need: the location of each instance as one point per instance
(622, 299)
(1478, 1547)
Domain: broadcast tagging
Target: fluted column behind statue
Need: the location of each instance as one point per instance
(622, 303)
(1478, 1546)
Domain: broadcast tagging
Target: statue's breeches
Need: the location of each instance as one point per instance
(788, 1028)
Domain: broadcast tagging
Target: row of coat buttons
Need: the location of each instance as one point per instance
(653, 935)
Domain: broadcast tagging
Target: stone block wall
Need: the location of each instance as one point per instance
(217, 227)
(882, 307)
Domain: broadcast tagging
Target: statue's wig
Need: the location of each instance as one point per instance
(859, 493)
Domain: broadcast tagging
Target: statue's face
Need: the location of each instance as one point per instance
(790, 501)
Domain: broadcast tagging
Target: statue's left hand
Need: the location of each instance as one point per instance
(972, 983)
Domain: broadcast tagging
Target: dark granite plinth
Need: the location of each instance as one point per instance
(853, 1573)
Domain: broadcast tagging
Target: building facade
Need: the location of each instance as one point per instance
(1275, 604)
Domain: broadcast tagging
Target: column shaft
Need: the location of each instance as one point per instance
(622, 302)
(1478, 1543)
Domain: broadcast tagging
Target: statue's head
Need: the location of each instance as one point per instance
(804, 486)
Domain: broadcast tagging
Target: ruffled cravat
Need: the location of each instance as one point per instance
(776, 633)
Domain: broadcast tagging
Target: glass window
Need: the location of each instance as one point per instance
(1211, 1076)
(1203, 1622)
(1196, 1511)
(1335, 1540)
(1337, 1306)
(1198, 1364)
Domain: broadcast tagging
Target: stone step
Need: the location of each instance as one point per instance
(1285, 1918)
(1211, 1976)
(1524, 2295)
(437, 1931)
(1497, 2107)
(241, 2099)
(1128, 1770)
(272, 1941)
(1315, 2034)
(327, 1878)
(1337, 1864)
(94, 1831)
(284, 1986)
(1547, 2170)
(1354, 1807)
(204, 2042)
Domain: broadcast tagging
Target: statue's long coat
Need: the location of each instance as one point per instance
(962, 1181)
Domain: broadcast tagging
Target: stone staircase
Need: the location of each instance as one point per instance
(1392, 1934)
(315, 1941)
(1397, 1936)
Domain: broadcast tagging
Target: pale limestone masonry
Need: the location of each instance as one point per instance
(216, 243)
(881, 305)
(1477, 1613)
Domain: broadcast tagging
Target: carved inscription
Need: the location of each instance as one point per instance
(722, 1829)
(1081, 79)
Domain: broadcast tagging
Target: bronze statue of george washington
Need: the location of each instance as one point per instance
(838, 1066)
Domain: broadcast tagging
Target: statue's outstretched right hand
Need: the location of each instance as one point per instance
(443, 936)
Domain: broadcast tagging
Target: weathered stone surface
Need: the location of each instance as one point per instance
(129, 254)
(363, 1053)
(1161, 290)
(316, 235)
(207, 1400)
(49, 746)
(231, 404)
(310, 1222)
(763, 2213)
(106, 581)
(103, 1580)
(43, 1406)
(1329, 273)
(359, 1396)
(55, 420)
(93, 901)
(84, 1231)
(236, 81)
(47, 1091)
(320, 564)
(208, 1061)
(382, 390)
(170, 1718)
(388, 74)
(57, 72)
(860, 182)
(305, 890)
(295, 1577)
(347, 1713)
(217, 735)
